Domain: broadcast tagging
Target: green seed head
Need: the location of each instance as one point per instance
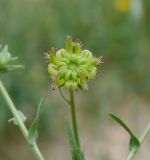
(72, 67)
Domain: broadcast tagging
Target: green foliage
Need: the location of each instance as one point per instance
(33, 130)
(30, 28)
(5, 56)
(5, 59)
(134, 142)
(76, 152)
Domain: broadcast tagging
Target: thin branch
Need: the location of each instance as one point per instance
(21, 124)
(64, 96)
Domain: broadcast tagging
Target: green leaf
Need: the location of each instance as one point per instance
(134, 142)
(76, 152)
(118, 120)
(33, 130)
(5, 59)
(10, 68)
(22, 117)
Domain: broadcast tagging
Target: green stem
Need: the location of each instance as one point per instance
(21, 124)
(144, 135)
(74, 119)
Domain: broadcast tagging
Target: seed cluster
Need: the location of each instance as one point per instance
(72, 67)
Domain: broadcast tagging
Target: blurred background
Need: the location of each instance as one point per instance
(118, 30)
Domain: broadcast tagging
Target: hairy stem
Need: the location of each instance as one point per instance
(21, 124)
(142, 138)
(74, 119)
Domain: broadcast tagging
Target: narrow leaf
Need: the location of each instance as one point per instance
(134, 142)
(22, 117)
(10, 68)
(118, 120)
(33, 130)
(76, 152)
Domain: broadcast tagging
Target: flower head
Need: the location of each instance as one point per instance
(72, 67)
(123, 5)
